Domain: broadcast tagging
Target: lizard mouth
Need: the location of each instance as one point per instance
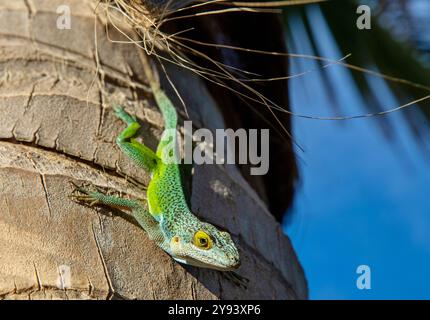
(215, 260)
(225, 263)
(213, 265)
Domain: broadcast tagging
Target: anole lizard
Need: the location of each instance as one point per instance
(169, 221)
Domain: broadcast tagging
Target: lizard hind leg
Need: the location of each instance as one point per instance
(138, 152)
(92, 195)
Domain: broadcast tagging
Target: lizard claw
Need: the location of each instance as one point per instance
(237, 279)
(85, 194)
(123, 115)
(118, 109)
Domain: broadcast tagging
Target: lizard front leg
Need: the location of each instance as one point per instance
(138, 152)
(92, 196)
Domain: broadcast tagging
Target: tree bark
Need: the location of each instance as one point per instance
(57, 126)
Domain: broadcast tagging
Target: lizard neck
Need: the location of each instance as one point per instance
(178, 220)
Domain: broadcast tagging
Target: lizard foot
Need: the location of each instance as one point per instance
(236, 279)
(87, 193)
(124, 116)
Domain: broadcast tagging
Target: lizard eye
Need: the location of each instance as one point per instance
(202, 240)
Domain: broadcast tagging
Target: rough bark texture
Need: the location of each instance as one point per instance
(57, 125)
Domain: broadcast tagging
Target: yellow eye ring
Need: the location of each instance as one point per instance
(202, 240)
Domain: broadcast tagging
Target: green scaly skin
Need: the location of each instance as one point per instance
(169, 222)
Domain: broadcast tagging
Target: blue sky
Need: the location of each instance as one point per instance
(363, 198)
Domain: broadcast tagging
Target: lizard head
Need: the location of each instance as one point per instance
(207, 247)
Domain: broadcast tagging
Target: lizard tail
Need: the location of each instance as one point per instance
(166, 106)
(167, 109)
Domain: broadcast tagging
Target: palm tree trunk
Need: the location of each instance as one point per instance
(57, 126)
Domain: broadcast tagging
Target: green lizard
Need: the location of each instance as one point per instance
(169, 221)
